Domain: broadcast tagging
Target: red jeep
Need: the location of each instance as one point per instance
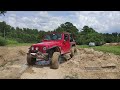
(52, 47)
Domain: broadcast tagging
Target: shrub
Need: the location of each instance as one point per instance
(19, 40)
(11, 41)
(3, 42)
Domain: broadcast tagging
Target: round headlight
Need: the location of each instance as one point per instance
(44, 48)
(36, 48)
(32, 48)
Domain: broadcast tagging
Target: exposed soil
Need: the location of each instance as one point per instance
(86, 64)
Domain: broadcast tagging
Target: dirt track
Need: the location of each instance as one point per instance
(86, 64)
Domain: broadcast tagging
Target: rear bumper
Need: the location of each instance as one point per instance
(39, 55)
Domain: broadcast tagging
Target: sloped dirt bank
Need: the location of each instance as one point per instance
(86, 64)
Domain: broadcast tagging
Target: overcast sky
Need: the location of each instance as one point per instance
(101, 21)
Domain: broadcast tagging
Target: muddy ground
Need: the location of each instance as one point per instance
(86, 64)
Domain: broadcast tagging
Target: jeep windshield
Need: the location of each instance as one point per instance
(53, 37)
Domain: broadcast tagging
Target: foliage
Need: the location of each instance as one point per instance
(27, 35)
(3, 42)
(88, 35)
(68, 27)
(11, 41)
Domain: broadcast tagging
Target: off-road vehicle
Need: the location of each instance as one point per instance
(52, 48)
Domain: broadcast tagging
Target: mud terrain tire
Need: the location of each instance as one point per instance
(30, 60)
(75, 50)
(55, 60)
(72, 52)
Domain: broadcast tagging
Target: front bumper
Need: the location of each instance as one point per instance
(39, 55)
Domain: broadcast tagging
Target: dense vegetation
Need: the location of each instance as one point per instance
(10, 34)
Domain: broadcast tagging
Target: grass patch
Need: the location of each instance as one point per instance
(10, 41)
(83, 46)
(20, 44)
(110, 49)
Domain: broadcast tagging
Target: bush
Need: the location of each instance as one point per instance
(11, 41)
(3, 42)
(19, 40)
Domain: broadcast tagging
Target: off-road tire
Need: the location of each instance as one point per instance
(75, 50)
(30, 60)
(72, 52)
(55, 60)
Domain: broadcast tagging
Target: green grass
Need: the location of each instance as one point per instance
(82, 46)
(20, 44)
(11, 41)
(110, 49)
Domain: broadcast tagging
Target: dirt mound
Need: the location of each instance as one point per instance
(112, 44)
(12, 61)
(90, 60)
(8, 54)
(21, 52)
(86, 64)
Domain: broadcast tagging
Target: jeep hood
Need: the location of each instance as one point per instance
(47, 44)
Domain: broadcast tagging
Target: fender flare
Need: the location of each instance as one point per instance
(56, 47)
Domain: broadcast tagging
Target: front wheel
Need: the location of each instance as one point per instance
(30, 60)
(55, 60)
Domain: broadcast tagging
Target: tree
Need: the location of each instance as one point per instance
(3, 27)
(41, 35)
(87, 30)
(27, 35)
(88, 35)
(68, 27)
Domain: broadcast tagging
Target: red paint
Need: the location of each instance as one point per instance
(63, 45)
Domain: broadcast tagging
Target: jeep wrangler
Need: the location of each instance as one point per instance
(52, 48)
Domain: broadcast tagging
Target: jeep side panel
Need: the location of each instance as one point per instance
(66, 43)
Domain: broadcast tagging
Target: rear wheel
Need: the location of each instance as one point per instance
(55, 60)
(30, 60)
